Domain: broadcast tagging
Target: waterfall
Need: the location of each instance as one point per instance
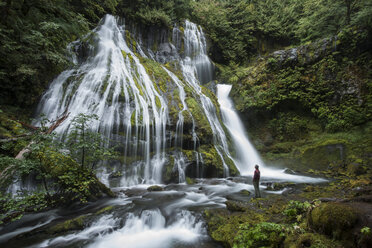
(195, 66)
(247, 156)
(113, 84)
(134, 112)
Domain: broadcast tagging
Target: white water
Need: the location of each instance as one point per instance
(150, 230)
(246, 155)
(115, 86)
(196, 62)
(245, 151)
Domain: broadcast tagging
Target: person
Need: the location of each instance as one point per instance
(256, 182)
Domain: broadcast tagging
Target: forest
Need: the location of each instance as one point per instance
(112, 112)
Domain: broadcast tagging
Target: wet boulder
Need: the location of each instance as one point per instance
(155, 188)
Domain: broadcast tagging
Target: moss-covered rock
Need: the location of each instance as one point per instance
(155, 188)
(333, 219)
(313, 240)
(77, 223)
(236, 206)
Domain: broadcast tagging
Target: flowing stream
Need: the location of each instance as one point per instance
(113, 83)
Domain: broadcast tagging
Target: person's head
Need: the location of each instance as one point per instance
(256, 166)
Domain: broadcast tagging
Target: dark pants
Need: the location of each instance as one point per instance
(256, 185)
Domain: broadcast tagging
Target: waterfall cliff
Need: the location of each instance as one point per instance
(149, 100)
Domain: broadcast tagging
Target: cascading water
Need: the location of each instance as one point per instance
(195, 65)
(113, 84)
(245, 151)
(246, 154)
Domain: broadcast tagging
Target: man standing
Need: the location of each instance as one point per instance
(256, 182)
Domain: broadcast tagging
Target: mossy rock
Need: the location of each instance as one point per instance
(190, 181)
(105, 210)
(321, 155)
(223, 225)
(245, 192)
(236, 206)
(69, 225)
(155, 188)
(333, 219)
(355, 169)
(312, 240)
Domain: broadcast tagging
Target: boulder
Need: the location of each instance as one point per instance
(333, 219)
(155, 188)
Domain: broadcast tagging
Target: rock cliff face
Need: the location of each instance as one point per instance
(298, 103)
(145, 86)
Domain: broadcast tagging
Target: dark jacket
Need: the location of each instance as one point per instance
(256, 176)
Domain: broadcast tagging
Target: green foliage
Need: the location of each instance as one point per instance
(155, 12)
(296, 209)
(58, 169)
(34, 35)
(332, 89)
(365, 230)
(289, 126)
(240, 29)
(86, 146)
(264, 234)
(12, 209)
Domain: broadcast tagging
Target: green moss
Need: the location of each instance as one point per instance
(105, 83)
(264, 234)
(333, 219)
(168, 170)
(130, 41)
(124, 53)
(157, 101)
(155, 188)
(212, 160)
(104, 210)
(223, 226)
(202, 124)
(139, 87)
(190, 181)
(69, 225)
(313, 240)
(156, 71)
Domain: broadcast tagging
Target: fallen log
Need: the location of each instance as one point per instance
(21, 155)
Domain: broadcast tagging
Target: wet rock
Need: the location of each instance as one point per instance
(190, 181)
(134, 192)
(328, 199)
(245, 192)
(155, 188)
(69, 225)
(289, 171)
(235, 206)
(166, 52)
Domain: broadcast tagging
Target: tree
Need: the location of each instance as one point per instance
(86, 146)
(350, 6)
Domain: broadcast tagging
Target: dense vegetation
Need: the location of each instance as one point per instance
(34, 34)
(307, 105)
(64, 172)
